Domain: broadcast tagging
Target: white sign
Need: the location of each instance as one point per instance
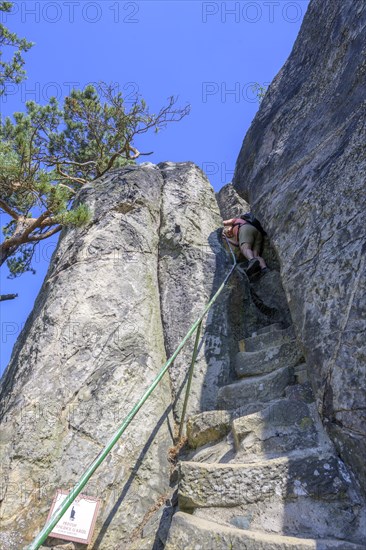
(78, 522)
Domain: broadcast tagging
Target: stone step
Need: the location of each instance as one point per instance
(269, 339)
(303, 517)
(284, 426)
(275, 427)
(188, 532)
(220, 452)
(300, 392)
(203, 485)
(207, 427)
(268, 328)
(212, 426)
(259, 388)
(254, 363)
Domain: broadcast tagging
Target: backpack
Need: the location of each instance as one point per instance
(250, 218)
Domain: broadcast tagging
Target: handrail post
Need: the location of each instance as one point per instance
(189, 381)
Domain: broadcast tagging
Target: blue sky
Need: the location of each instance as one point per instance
(207, 53)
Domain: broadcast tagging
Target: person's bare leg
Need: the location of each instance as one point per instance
(254, 264)
(261, 260)
(247, 251)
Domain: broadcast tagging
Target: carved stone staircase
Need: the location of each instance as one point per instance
(261, 472)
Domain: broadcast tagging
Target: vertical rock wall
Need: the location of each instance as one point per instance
(192, 265)
(91, 346)
(302, 167)
(118, 297)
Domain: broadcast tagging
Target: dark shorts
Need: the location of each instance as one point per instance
(250, 235)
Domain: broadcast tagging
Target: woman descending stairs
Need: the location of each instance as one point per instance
(262, 473)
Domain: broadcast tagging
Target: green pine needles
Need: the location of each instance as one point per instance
(48, 153)
(11, 69)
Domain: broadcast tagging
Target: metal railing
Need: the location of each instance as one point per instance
(57, 515)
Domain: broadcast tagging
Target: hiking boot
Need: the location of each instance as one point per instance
(265, 270)
(253, 267)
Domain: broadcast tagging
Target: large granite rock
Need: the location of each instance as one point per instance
(302, 168)
(118, 297)
(231, 204)
(92, 345)
(192, 265)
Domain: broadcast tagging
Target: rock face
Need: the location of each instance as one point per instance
(192, 264)
(119, 296)
(302, 168)
(259, 471)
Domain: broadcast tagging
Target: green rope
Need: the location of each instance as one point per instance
(57, 515)
(189, 381)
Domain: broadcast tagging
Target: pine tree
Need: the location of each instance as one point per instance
(11, 70)
(49, 152)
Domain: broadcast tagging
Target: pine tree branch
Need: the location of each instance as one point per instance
(24, 236)
(51, 161)
(34, 225)
(125, 149)
(45, 235)
(9, 210)
(114, 157)
(71, 178)
(68, 187)
(46, 222)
